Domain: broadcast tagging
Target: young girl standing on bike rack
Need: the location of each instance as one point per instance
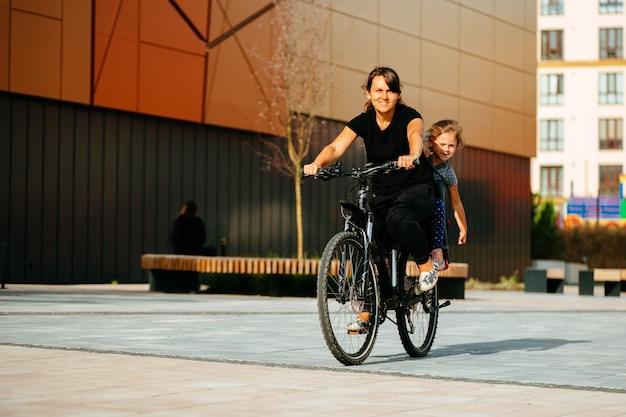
(444, 138)
(402, 200)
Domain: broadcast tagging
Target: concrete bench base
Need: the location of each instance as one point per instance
(551, 280)
(163, 280)
(613, 280)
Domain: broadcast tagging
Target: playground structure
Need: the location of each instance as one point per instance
(597, 211)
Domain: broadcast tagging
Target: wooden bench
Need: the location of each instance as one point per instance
(179, 273)
(549, 280)
(612, 278)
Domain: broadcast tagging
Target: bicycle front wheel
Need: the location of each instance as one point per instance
(417, 322)
(346, 286)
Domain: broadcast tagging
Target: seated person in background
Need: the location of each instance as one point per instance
(189, 233)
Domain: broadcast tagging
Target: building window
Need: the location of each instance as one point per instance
(551, 89)
(609, 180)
(611, 88)
(551, 135)
(549, 7)
(551, 44)
(611, 133)
(611, 6)
(551, 181)
(611, 43)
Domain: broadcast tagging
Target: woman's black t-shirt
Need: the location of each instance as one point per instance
(387, 145)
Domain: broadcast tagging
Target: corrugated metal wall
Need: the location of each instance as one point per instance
(85, 191)
(495, 189)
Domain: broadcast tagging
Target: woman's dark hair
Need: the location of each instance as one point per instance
(391, 78)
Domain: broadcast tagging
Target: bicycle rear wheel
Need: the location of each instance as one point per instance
(417, 322)
(346, 286)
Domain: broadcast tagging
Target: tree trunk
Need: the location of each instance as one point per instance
(298, 189)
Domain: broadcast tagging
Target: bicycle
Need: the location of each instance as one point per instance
(349, 280)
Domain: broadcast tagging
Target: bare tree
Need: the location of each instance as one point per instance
(298, 84)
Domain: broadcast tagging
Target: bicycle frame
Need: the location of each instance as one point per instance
(354, 215)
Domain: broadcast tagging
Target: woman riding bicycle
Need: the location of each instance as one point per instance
(402, 200)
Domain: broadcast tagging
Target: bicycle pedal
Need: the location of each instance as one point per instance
(357, 332)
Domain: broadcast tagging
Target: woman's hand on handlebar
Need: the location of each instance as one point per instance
(310, 169)
(408, 161)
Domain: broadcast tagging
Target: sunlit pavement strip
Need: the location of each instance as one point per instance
(120, 350)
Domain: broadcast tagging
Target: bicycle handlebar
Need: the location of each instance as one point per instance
(335, 171)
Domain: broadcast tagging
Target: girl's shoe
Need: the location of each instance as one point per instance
(361, 324)
(428, 279)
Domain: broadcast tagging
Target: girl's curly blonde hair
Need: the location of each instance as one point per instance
(446, 126)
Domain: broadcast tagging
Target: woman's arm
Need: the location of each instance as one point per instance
(415, 133)
(332, 151)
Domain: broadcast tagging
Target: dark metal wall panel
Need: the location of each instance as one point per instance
(86, 191)
(41, 189)
(495, 190)
(95, 205)
(5, 173)
(136, 206)
(110, 202)
(65, 200)
(16, 239)
(123, 197)
(51, 204)
(80, 202)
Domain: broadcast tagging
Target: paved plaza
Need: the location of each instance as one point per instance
(120, 350)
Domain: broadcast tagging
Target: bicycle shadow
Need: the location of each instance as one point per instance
(487, 348)
(527, 344)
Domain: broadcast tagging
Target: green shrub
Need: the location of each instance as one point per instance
(543, 232)
(598, 247)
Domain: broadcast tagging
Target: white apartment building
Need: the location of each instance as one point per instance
(580, 99)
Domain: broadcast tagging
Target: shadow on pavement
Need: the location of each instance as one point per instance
(489, 348)
(482, 348)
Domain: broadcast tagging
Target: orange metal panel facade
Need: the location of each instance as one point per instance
(170, 83)
(49, 8)
(4, 45)
(46, 48)
(76, 50)
(149, 59)
(152, 56)
(115, 82)
(35, 54)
